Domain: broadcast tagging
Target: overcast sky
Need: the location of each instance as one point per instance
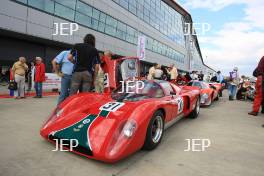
(236, 37)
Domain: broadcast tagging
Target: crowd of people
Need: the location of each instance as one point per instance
(18, 74)
(171, 74)
(81, 68)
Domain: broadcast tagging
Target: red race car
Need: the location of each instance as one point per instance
(111, 126)
(209, 92)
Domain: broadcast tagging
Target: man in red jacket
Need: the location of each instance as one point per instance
(39, 76)
(258, 101)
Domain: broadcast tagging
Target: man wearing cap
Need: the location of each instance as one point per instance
(233, 83)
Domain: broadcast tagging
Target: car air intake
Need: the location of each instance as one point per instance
(66, 143)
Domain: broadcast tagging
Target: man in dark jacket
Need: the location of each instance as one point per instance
(86, 60)
(258, 101)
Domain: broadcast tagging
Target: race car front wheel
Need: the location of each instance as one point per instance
(194, 114)
(155, 131)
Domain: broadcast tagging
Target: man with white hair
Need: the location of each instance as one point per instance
(39, 76)
(19, 71)
(233, 83)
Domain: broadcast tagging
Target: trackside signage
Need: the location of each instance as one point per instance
(141, 47)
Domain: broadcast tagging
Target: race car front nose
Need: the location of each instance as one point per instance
(204, 98)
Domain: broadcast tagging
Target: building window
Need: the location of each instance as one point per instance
(124, 3)
(68, 3)
(157, 14)
(90, 17)
(121, 30)
(84, 8)
(45, 5)
(101, 27)
(83, 19)
(64, 12)
(96, 14)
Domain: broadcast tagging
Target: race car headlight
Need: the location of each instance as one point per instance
(122, 138)
(204, 98)
(129, 128)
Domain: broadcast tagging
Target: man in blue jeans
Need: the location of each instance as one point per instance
(233, 83)
(64, 68)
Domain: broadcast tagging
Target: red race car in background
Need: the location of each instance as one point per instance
(111, 126)
(209, 92)
(217, 86)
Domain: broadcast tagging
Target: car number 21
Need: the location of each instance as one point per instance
(112, 106)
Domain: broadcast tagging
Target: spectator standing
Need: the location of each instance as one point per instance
(29, 76)
(152, 72)
(165, 76)
(207, 78)
(188, 77)
(19, 71)
(214, 78)
(158, 72)
(259, 72)
(173, 73)
(63, 68)
(194, 75)
(86, 62)
(201, 76)
(233, 83)
(99, 81)
(219, 77)
(39, 76)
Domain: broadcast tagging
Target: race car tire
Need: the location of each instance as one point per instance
(155, 131)
(195, 113)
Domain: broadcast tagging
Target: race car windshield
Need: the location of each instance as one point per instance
(137, 90)
(198, 84)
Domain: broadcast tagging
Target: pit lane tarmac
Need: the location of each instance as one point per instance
(237, 144)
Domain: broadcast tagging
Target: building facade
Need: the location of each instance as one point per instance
(28, 26)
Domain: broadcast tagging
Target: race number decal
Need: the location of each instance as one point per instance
(111, 106)
(106, 80)
(180, 105)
